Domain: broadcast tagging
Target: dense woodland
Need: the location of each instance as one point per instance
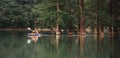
(65, 14)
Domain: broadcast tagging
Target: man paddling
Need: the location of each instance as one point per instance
(33, 31)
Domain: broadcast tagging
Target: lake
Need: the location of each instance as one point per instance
(17, 44)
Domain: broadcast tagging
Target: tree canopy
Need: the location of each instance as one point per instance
(43, 13)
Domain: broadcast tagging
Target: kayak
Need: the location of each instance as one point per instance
(34, 34)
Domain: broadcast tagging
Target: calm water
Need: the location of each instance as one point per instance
(16, 44)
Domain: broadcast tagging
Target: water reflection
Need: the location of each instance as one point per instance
(81, 45)
(69, 42)
(58, 40)
(33, 37)
(115, 52)
(13, 45)
(57, 43)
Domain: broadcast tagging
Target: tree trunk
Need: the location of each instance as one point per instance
(114, 12)
(69, 19)
(78, 14)
(97, 17)
(110, 30)
(82, 29)
(58, 31)
(102, 17)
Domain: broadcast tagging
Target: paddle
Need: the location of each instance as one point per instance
(32, 30)
(29, 28)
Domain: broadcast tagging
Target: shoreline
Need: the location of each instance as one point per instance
(23, 29)
(13, 29)
(44, 30)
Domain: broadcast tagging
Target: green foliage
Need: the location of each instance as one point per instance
(43, 13)
(15, 15)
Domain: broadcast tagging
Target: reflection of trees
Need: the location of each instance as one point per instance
(15, 46)
(81, 46)
(99, 46)
(12, 45)
(57, 44)
(105, 46)
(58, 40)
(115, 47)
(69, 42)
(70, 45)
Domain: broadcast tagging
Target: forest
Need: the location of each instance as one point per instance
(61, 14)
